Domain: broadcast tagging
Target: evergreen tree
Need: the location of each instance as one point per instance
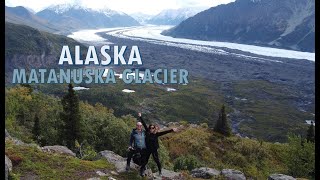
(36, 129)
(222, 126)
(70, 130)
(311, 133)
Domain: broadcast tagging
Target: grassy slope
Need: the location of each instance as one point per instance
(211, 149)
(255, 159)
(30, 162)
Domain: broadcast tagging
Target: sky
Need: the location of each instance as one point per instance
(151, 7)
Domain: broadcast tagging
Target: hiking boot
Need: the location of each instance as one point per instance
(142, 172)
(160, 173)
(127, 167)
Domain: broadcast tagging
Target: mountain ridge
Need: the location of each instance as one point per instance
(77, 17)
(282, 24)
(23, 16)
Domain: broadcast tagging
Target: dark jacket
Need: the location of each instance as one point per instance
(152, 139)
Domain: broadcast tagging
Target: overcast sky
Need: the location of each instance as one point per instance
(128, 6)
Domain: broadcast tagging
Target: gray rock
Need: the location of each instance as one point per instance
(148, 173)
(231, 174)
(205, 173)
(8, 167)
(20, 143)
(6, 171)
(8, 163)
(114, 173)
(58, 149)
(166, 175)
(101, 173)
(7, 134)
(280, 177)
(118, 161)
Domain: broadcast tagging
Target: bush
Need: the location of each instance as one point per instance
(184, 123)
(115, 136)
(188, 162)
(204, 125)
(300, 157)
(85, 151)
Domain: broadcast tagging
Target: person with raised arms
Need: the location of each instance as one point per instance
(152, 142)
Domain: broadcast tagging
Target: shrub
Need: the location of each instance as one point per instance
(85, 151)
(188, 162)
(204, 125)
(184, 123)
(300, 157)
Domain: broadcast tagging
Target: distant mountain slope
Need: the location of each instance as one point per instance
(141, 17)
(173, 16)
(21, 15)
(27, 47)
(78, 17)
(286, 24)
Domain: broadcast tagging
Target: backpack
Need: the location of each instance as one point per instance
(137, 158)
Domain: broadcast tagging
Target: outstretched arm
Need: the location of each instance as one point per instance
(167, 131)
(164, 132)
(143, 123)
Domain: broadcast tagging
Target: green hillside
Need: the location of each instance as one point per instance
(22, 39)
(268, 111)
(193, 146)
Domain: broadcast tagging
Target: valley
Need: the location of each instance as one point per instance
(78, 74)
(257, 87)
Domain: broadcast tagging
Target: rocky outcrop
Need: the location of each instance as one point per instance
(8, 167)
(168, 175)
(118, 161)
(18, 142)
(231, 174)
(58, 149)
(6, 171)
(280, 177)
(7, 135)
(205, 173)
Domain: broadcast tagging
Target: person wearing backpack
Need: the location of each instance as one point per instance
(137, 145)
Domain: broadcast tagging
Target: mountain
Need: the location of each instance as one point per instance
(28, 48)
(21, 15)
(173, 16)
(77, 17)
(286, 24)
(141, 17)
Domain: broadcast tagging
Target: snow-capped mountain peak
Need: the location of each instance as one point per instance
(61, 8)
(109, 12)
(175, 16)
(76, 16)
